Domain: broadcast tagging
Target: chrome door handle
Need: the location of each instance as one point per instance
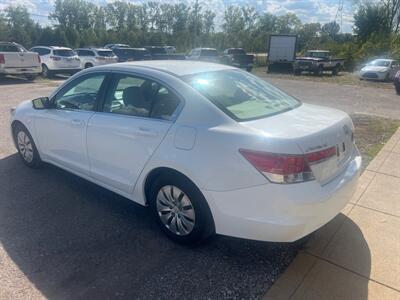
(143, 131)
(76, 122)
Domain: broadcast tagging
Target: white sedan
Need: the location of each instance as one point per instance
(209, 148)
(380, 70)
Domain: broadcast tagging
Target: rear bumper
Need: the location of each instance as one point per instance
(21, 71)
(282, 213)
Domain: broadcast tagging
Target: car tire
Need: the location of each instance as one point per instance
(45, 71)
(180, 209)
(297, 72)
(336, 70)
(31, 77)
(26, 146)
(319, 71)
(88, 65)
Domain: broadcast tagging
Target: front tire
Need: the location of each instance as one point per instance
(26, 147)
(180, 209)
(31, 77)
(319, 71)
(45, 71)
(336, 70)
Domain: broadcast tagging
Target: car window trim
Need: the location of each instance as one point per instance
(113, 76)
(78, 79)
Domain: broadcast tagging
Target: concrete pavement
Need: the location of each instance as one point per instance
(357, 254)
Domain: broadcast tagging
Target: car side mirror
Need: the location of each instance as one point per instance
(41, 103)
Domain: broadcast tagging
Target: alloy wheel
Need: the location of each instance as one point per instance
(25, 146)
(175, 210)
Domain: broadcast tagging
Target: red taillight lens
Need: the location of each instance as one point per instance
(319, 156)
(2, 59)
(287, 168)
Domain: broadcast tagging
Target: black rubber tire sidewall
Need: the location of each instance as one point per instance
(36, 161)
(45, 71)
(204, 224)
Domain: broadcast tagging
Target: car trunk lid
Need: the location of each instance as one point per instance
(313, 129)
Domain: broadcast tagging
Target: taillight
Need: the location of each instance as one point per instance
(55, 58)
(286, 168)
(39, 60)
(2, 59)
(100, 58)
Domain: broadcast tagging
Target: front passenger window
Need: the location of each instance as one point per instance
(80, 95)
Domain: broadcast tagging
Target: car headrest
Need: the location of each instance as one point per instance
(133, 95)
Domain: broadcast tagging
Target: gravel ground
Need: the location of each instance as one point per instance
(63, 237)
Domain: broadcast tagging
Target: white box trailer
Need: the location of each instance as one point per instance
(281, 50)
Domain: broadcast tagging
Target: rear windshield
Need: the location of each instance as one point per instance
(64, 52)
(240, 95)
(209, 52)
(105, 53)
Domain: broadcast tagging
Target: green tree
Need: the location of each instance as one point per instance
(370, 18)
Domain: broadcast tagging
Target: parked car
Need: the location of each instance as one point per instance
(161, 53)
(380, 69)
(318, 61)
(204, 54)
(16, 60)
(57, 60)
(91, 57)
(170, 49)
(112, 46)
(237, 57)
(397, 82)
(131, 54)
(208, 147)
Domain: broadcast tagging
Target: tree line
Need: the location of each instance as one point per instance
(78, 23)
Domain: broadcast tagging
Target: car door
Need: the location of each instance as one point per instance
(136, 115)
(61, 130)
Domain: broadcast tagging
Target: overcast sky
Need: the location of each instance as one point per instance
(322, 11)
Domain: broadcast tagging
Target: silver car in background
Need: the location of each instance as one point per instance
(380, 70)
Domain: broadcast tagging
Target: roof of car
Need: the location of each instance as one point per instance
(175, 67)
(318, 50)
(53, 47)
(93, 48)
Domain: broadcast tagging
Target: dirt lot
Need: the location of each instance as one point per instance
(63, 237)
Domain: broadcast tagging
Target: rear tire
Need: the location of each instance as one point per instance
(26, 146)
(31, 77)
(297, 72)
(180, 209)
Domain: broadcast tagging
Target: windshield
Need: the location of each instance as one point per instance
(240, 95)
(379, 63)
(105, 53)
(64, 52)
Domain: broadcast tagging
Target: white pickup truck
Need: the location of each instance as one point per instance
(16, 60)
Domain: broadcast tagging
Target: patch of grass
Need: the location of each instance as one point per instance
(372, 133)
(344, 78)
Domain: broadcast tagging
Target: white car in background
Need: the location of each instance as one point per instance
(380, 70)
(57, 60)
(91, 57)
(210, 148)
(16, 60)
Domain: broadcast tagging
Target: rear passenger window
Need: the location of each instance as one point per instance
(134, 96)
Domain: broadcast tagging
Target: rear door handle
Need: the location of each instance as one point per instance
(77, 122)
(144, 131)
